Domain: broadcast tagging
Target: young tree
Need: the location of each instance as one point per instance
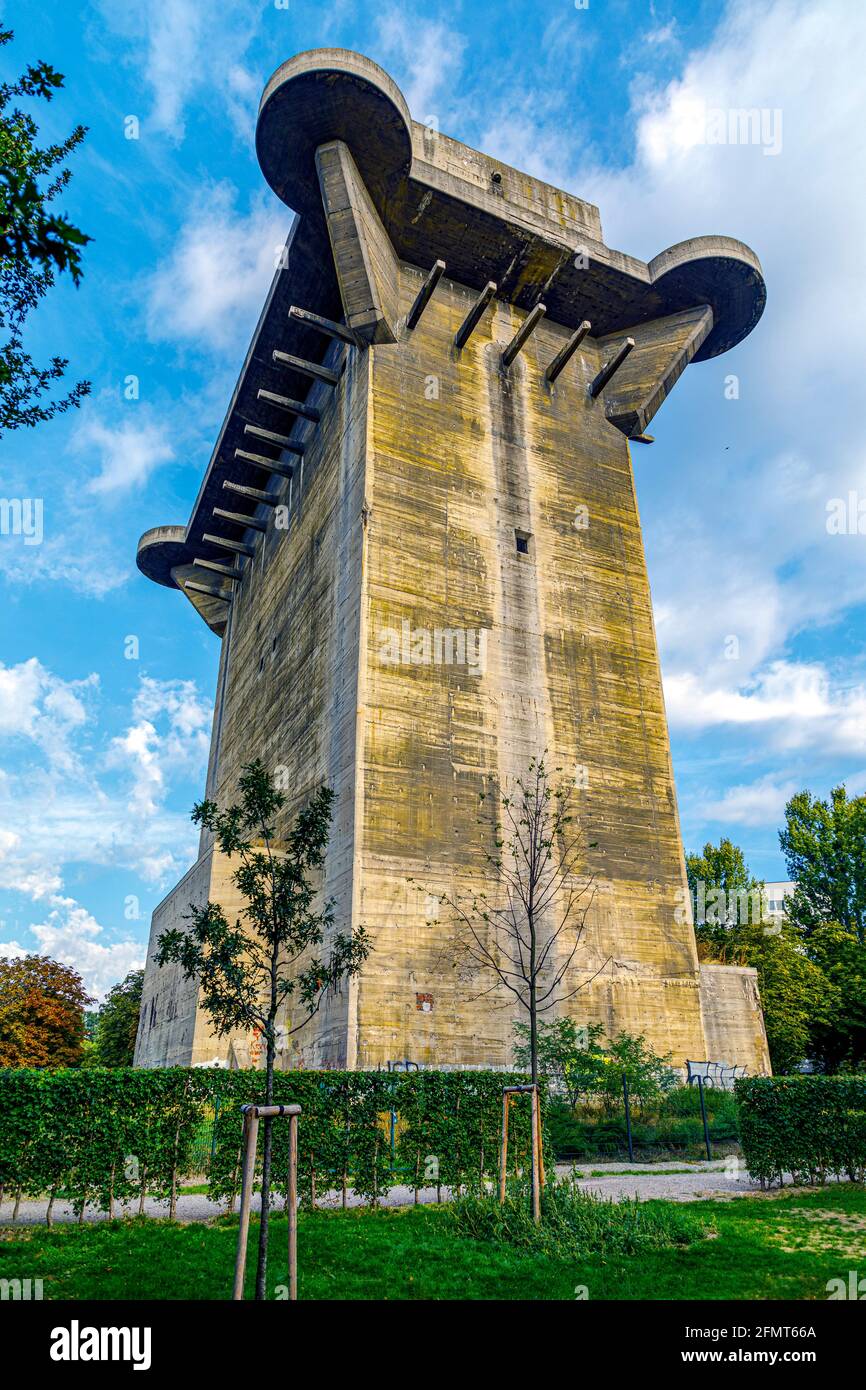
(42, 1005)
(117, 1022)
(35, 243)
(824, 844)
(648, 1075)
(524, 939)
(569, 1053)
(285, 951)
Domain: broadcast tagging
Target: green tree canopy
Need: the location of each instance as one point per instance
(824, 844)
(35, 244)
(800, 1003)
(117, 1022)
(841, 957)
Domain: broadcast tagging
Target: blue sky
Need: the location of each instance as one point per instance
(759, 608)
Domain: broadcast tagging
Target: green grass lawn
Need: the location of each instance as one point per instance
(754, 1248)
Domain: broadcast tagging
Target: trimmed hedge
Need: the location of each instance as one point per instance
(813, 1127)
(101, 1137)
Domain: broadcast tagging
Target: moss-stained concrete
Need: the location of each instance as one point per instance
(454, 583)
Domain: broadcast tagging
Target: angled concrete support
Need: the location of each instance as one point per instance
(663, 349)
(240, 519)
(530, 323)
(226, 571)
(254, 493)
(610, 368)
(366, 266)
(565, 354)
(204, 589)
(425, 294)
(280, 441)
(225, 543)
(326, 326)
(473, 318)
(286, 403)
(282, 470)
(300, 364)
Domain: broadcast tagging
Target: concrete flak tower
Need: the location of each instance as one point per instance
(418, 541)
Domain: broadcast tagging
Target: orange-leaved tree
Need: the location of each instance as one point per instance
(42, 1005)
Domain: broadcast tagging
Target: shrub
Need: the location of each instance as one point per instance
(576, 1223)
(673, 1124)
(813, 1127)
(99, 1137)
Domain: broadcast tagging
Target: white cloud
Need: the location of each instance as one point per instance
(796, 705)
(189, 51)
(72, 935)
(426, 56)
(149, 755)
(662, 35)
(36, 705)
(128, 452)
(103, 809)
(210, 288)
(100, 810)
(757, 803)
(736, 522)
(173, 43)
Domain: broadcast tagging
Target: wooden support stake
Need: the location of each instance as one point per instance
(504, 1155)
(252, 1114)
(565, 354)
(253, 492)
(225, 570)
(333, 330)
(536, 1185)
(425, 294)
(241, 519)
(610, 367)
(300, 364)
(530, 323)
(473, 318)
(239, 547)
(251, 1129)
(286, 403)
(293, 1207)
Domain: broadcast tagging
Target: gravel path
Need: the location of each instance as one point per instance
(724, 1178)
(676, 1182)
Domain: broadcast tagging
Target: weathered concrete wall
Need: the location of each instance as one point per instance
(291, 670)
(403, 516)
(426, 465)
(733, 1022)
(462, 457)
(169, 1027)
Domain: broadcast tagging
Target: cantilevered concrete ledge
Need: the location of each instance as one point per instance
(435, 204)
(162, 549)
(332, 94)
(434, 200)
